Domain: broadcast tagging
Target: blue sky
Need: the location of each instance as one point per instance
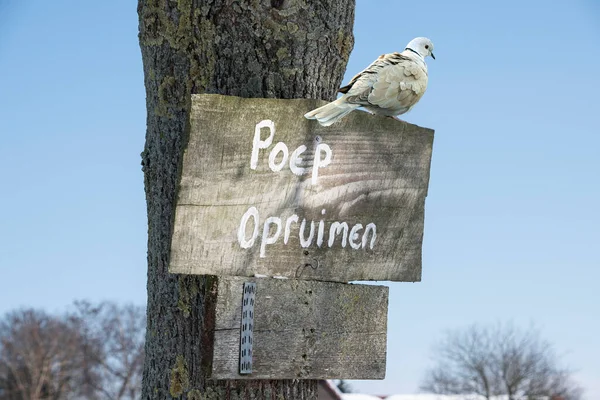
(512, 213)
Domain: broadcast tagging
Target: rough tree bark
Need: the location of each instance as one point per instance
(259, 48)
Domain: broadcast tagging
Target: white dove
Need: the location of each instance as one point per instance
(390, 86)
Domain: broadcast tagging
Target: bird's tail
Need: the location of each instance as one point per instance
(331, 112)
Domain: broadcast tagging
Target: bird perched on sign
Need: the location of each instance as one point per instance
(390, 86)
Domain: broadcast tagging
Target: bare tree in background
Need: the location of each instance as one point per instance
(94, 352)
(113, 345)
(500, 360)
(39, 357)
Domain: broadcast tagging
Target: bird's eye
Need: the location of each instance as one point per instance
(427, 46)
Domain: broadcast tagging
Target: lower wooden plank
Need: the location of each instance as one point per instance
(303, 330)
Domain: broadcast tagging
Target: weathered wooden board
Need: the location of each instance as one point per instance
(248, 185)
(302, 330)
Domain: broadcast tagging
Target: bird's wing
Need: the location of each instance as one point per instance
(366, 74)
(393, 81)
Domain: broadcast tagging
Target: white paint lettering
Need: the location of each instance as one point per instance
(320, 163)
(369, 228)
(306, 242)
(279, 148)
(335, 229)
(258, 144)
(295, 160)
(354, 236)
(246, 244)
(273, 228)
(321, 230)
(266, 239)
(288, 228)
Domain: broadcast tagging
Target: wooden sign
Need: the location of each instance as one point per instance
(302, 330)
(265, 191)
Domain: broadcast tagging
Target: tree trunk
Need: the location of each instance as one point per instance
(259, 48)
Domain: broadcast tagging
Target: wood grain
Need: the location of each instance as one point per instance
(303, 330)
(378, 174)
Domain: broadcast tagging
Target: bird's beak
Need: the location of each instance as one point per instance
(432, 56)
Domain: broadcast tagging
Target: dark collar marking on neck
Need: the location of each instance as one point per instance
(408, 48)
